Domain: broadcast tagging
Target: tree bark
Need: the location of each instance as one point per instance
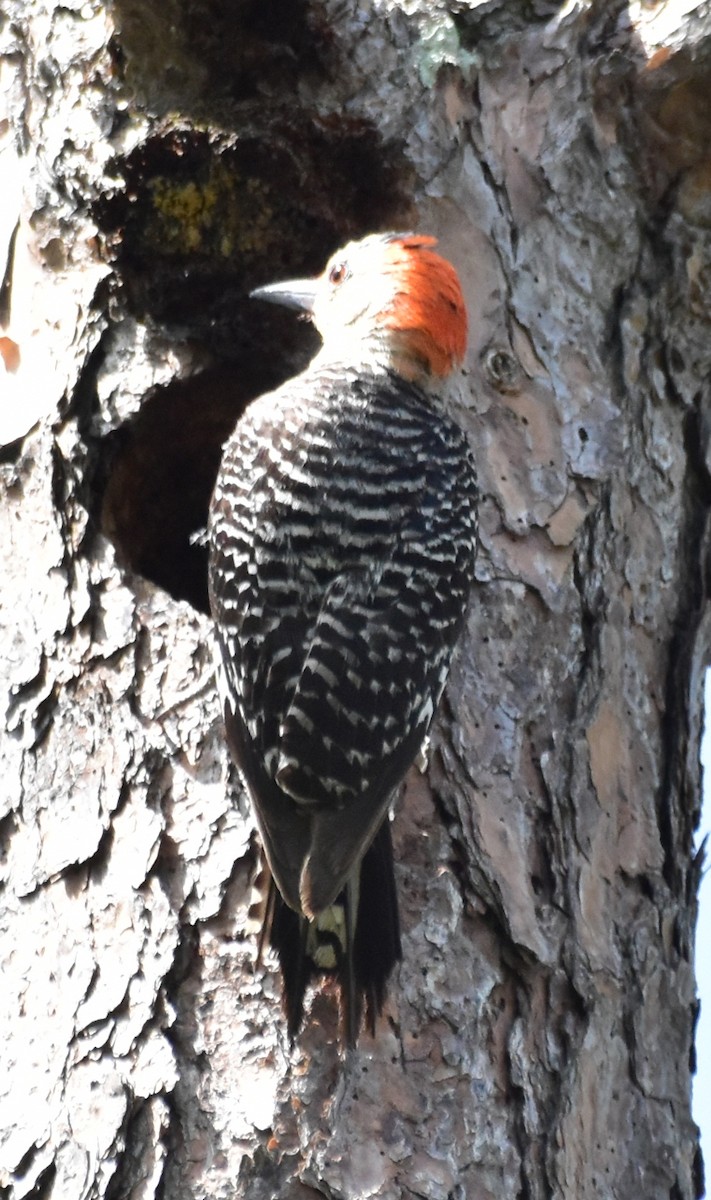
(157, 163)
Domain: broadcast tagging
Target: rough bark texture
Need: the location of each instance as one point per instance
(162, 160)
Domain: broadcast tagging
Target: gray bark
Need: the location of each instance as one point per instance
(160, 161)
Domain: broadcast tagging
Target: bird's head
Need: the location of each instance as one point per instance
(386, 301)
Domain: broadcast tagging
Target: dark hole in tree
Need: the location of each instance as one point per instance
(163, 468)
(157, 493)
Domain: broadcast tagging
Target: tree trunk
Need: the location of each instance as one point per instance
(161, 160)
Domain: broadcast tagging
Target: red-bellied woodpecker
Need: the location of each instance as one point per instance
(342, 540)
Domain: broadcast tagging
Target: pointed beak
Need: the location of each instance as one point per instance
(298, 293)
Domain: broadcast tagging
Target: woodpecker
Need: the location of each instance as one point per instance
(342, 537)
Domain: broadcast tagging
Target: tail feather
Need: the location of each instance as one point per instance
(361, 953)
(377, 946)
(287, 933)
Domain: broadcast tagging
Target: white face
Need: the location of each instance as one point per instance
(354, 289)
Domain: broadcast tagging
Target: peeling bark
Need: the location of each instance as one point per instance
(157, 163)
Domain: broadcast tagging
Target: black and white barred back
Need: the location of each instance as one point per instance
(342, 532)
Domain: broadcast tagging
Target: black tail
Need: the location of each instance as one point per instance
(363, 956)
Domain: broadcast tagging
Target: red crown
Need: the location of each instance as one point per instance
(429, 304)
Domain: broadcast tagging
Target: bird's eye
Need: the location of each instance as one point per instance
(337, 273)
